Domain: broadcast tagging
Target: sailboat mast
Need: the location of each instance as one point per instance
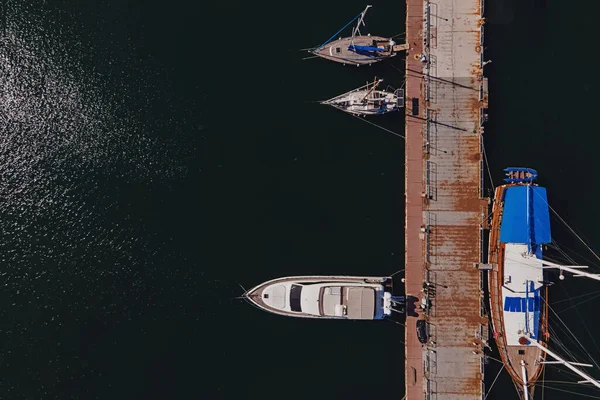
(529, 217)
(360, 21)
(375, 83)
(572, 269)
(524, 372)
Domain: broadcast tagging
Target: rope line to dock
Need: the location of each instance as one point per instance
(402, 72)
(485, 159)
(379, 126)
(399, 323)
(495, 379)
(399, 70)
(495, 359)
(397, 272)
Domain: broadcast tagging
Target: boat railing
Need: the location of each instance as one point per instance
(482, 307)
(481, 170)
(430, 393)
(482, 85)
(427, 78)
(498, 320)
(483, 382)
(427, 130)
(482, 302)
(427, 43)
(432, 361)
(426, 232)
(428, 180)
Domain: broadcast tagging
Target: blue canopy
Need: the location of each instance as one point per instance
(526, 219)
(521, 169)
(532, 174)
(358, 49)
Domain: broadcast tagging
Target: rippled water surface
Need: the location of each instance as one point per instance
(87, 140)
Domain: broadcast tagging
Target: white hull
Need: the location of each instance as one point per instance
(366, 100)
(339, 50)
(325, 297)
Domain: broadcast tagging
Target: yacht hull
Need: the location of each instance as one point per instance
(325, 297)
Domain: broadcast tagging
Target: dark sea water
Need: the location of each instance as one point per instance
(542, 114)
(156, 155)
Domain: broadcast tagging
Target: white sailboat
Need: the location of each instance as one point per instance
(367, 100)
(358, 49)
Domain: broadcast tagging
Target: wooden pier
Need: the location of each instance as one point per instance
(446, 212)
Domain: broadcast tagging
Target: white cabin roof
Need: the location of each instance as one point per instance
(521, 300)
(310, 299)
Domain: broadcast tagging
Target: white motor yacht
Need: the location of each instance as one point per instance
(331, 297)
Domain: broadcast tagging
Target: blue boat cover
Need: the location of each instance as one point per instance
(521, 169)
(356, 48)
(533, 174)
(526, 219)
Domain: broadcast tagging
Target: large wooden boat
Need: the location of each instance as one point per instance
(518, 283)
(519, 229)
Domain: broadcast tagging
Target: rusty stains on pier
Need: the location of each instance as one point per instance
(445, 210)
